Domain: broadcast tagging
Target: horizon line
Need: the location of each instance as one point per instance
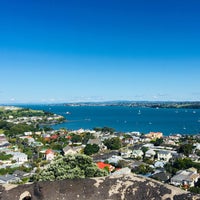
(106, 101)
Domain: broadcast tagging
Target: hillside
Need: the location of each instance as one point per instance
(127, 187)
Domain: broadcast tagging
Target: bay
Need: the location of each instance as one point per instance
(126, 119)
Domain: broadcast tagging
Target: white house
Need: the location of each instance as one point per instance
(49, 154)
(114, 159)
(126, 153)
(28, 133)
(98, 142)
(164, 155)
(5, 179)
(71, 150)
(150, 153)
(137, 153)
(185, 177)
(19, 157)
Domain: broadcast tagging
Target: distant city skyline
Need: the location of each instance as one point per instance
(55, 51)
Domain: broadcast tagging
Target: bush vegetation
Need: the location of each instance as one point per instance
(70, 167)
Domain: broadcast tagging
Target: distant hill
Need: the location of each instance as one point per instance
(148, 104)
(127, 187)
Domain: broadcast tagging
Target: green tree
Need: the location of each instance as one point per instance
(91, 149)
(4, 156)
(113, 143)
(70, 167)
(86, 136)
(186, 149)
(158, 141)
(108, 130)
(105, 129)
(76, 138)
(143, 169)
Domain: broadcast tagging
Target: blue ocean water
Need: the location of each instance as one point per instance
(125, 119)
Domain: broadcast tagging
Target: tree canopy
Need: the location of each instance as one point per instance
(186, 149)
(70, 167)
(91, 149)
(113, 143)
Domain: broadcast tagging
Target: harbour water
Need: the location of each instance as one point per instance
(126, 119)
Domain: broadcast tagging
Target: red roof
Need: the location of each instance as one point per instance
(102, 165)
(49, 151)
(54, 137)
(69, 137)
(47, 139)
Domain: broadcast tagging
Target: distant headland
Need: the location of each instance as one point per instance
(147, 104)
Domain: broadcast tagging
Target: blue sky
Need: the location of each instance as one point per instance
(66, 51)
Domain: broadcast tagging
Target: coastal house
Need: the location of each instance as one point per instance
(197, 146)
(162, 176)
(126, 153)
(21, 174)
(164, 155)
(102, 165)
(159, 164)
(136, 139)
(38, 133)
(28, 133)
(5, 179)
(19, 157)
(175, 137)
(36, 144)
(149, 146)
(29, 138)
(49, 154)
(150, 153)
(114, 159)
(185, 177)
(128, 140)
(3, 141)
(71, 150)
(154, 135)
(137, 154)
(54, 137)
(194, 157)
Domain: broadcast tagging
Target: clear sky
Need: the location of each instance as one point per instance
(97, 50)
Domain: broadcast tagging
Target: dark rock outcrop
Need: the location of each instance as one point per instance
(127, 187)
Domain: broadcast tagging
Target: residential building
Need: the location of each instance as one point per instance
(114, 159)
(71, 150)
(150, 153)
(126, 153)
(19, 157)
(98, 142)
(164, 155)
(122, 171)
(49, 154)
(154, 135)
(162, 176)
(5, 179)
(21, 174)
(137, 154)
(102, 165)
(185, 177)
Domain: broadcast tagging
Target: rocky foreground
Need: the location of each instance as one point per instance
(117, 187)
